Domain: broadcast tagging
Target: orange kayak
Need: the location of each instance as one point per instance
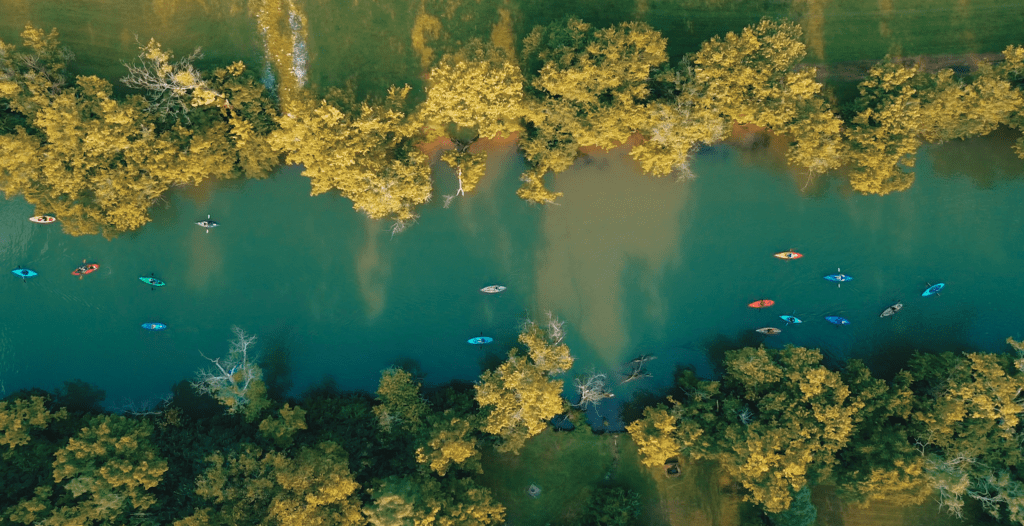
(789, 255)
(760, 304)
(84, 269)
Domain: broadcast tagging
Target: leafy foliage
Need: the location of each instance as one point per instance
(967, 423)
(587, 87)
(401, 406)
(519, 397)
(479, 88)
(18, 418)
(251, 487)
(366, 152)
(107, 467)
(98, 163)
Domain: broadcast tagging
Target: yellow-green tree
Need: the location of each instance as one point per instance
(953, 108)
(450, 442)
(775, 422)
(880, 461)
(401, 406)
(520, 396)
(424, 500)
(586, 87)
(1012, 69)
(249, 486)
(753, 77)
(97, 163)
(885, 132)
(655, 435)
(106, 470)
(967, 422)
(364, 151)
(18, 418)
(479, 89)
(282, 429)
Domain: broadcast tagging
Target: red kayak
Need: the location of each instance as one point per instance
(760, 304)
(85, 269)
(789, 255)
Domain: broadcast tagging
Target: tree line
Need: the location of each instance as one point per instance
(779, 422)
(98, 161)
(230, 448)
(225, 450)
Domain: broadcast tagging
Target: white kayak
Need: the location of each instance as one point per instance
(493, 289)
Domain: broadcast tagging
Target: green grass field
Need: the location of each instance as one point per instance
(370, 44)
(566, 465)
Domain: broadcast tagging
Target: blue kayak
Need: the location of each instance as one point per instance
(837, 320)
(933, 289)
(24, 273)
(791, 319)
(838, 277)
(154, 326)
(152, 281)
(480, 340)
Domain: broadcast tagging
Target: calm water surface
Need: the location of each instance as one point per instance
(634, 264)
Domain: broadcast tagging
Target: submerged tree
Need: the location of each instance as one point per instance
(235, 380)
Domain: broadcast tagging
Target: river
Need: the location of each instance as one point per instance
(634, 265)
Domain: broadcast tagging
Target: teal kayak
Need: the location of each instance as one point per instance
(151, 281)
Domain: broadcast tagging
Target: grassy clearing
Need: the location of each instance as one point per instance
(566, 465)
(102, 33)
(881, 513)
(867, 30)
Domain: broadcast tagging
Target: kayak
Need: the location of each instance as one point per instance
(893, 309)
(207, 224)
(24, 273)
(42, 219)
(837, 320)
(760, 304)
(154, 326)
(480, 340)
(768, 330)
(85, 269)
(934, 289)
(789, 255)
(151, 281)
(838, 277)
(791, 319)
(493, 289)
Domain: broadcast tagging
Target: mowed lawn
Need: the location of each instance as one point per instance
(566, 465)
(856, 30)
(104, 33)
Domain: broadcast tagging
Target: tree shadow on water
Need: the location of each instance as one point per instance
(718, 344)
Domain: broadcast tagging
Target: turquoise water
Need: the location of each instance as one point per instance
(633, 264)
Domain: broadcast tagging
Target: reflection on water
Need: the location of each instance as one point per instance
(983, 159)
(372, 272)
(609, 222)
(635, 265)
